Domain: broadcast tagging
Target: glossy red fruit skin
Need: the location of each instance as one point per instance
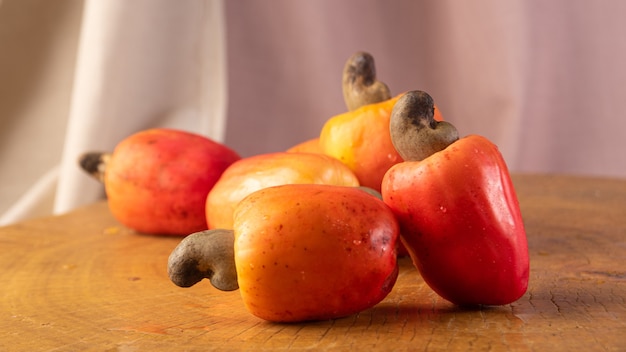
(461, 223)
(157, 180)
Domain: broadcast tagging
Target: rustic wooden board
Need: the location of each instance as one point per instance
(82, 282)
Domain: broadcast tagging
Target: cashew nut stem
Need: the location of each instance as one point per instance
(207, 254)
(360, 86)
(414, 132)
(95, 163)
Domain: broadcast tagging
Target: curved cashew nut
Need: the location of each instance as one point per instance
(207, 254)
(360, 86)
(414, 132)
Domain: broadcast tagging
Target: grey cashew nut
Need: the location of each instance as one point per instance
(207, 254)
(360, 86)
(414, 132)
(94, 164)
(371, 191)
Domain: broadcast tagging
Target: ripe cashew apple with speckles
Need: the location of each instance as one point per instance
(457, 208)
(157, 180)
(310, 252)
(301, 252)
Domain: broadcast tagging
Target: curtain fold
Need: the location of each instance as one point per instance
(141, 64)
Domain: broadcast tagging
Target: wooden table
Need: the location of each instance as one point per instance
(82, 282)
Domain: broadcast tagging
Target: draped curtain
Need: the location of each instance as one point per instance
(544, 80)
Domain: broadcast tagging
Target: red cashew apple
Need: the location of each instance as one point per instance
(157, 180)
(455, 202)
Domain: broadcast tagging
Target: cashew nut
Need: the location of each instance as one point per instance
(95, 163)
(207, 254)
(360, 86)
(414, 132)
(371, 191)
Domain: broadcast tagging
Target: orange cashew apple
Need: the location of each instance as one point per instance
(360, 137)
(311, 252)
(157, 180)
(265, 170)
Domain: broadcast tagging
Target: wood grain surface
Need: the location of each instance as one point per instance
(82, 282)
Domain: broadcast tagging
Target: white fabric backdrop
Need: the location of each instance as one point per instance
(544, 80)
